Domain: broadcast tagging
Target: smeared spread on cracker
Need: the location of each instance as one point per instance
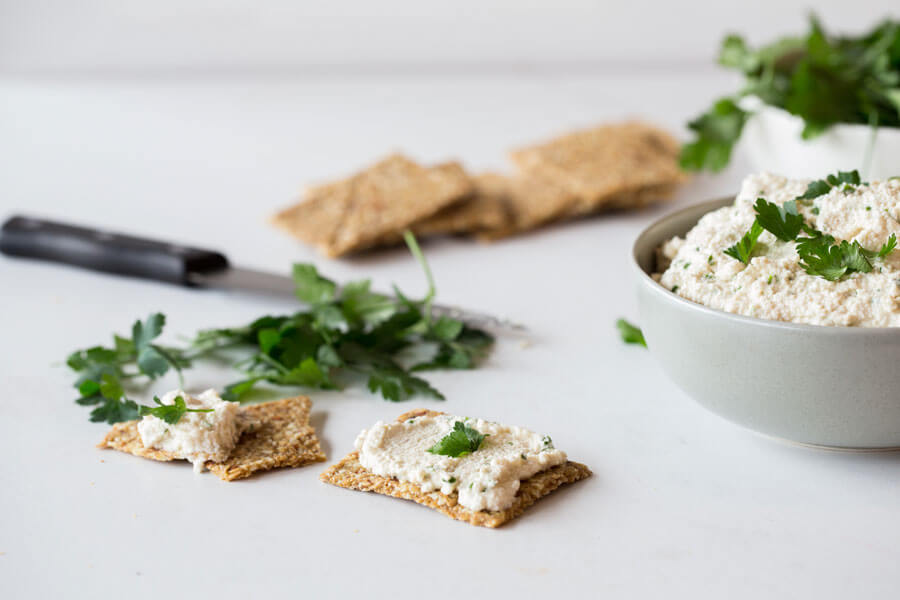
(350, 473)
(274, 434)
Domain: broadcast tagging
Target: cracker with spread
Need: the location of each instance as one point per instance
(471, 470)
(230, 440)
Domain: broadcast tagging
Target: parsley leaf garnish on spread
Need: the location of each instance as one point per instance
(820, 255)
(887, 247)
(823, 257)
(170, 413)
(630, 334)
(820, 187)
(344, 333)
(743, 249)
(461, 441)
(784, 222)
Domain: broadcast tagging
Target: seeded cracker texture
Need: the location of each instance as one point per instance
(388, 197)
(598, 165)
(349, 473)
(531, 199)
(479, 211)
(274, 434)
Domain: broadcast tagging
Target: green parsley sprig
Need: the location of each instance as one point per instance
(744, 247)
(461, 441)
(630, 334)
(170, 413)
(345, 333)
(820, 255)
(821, 78)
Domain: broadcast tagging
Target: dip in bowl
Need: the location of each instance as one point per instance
(825, 385)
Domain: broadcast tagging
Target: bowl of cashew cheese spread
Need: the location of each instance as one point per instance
(779, 309)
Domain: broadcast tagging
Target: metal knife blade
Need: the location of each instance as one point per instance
(132, 256)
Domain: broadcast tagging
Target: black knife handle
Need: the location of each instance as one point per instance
(105, 251)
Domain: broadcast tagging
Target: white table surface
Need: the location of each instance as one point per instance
(681, 504)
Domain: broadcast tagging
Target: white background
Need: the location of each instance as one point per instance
(194, 124)
(253, 37)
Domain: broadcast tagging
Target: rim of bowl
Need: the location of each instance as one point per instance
(686, 304)
(860, 127)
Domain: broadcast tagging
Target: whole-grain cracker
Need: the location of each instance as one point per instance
(384, 199)
(274, 434)
(600, 163)
(349, 473)
(483, 210)
(531, 200)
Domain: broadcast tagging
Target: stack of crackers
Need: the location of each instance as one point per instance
(611, 167)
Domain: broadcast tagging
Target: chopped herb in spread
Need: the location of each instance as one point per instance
(461, 441)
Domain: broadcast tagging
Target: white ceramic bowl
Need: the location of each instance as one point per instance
(825, 386)
(772, 140)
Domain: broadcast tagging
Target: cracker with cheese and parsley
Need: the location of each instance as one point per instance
(472, 470)
(231, 440)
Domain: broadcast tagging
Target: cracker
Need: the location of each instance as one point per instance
(275, 434)
(318, 217)
(357, 213)
(349, 473)
(597, 164)
(632, 200)
(484, 209)
(532, 200)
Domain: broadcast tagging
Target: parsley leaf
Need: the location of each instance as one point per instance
(170, 413)
(820, 187)
(743, 249)
(888, 246)
(397, 385)
(717, 131)
(822, 257)
(310, 287)
(630, 334)
(461, 441)
(782, 221)
(115, 411)
(345, 334)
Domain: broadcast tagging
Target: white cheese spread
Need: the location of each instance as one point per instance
(774, 285)
(486, 479)
(197, 436)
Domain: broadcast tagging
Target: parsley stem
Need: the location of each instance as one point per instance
(870, 145)
(272, 362)
(419, 256)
